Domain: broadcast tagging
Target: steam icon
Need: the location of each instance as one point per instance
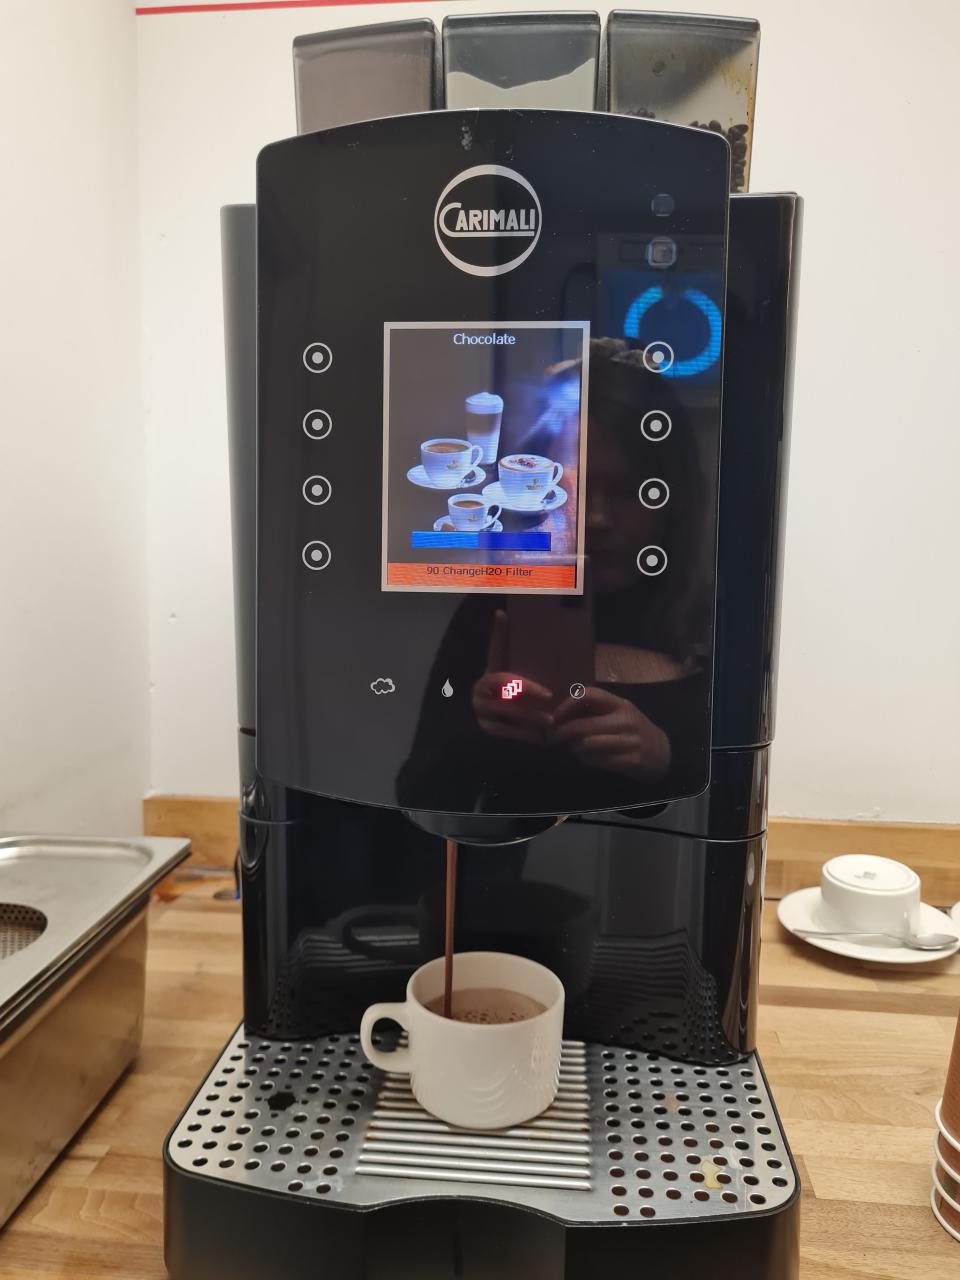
(447, 689)
(382, 684)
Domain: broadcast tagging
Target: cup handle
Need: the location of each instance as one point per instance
(557, 473)
(493, 515)
(399, 1059)
(476, 453)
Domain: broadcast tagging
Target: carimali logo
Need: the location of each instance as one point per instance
(487, 220)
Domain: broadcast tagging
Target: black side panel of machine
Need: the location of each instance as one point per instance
(654, 935)
(757, 389)
(219, 1231)
(238, 235)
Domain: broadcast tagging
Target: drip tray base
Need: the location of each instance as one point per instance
(632, 1139)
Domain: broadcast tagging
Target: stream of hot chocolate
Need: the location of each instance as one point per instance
(450, 905)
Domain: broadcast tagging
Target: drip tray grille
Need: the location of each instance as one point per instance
(553, 1151)
(631, 1136)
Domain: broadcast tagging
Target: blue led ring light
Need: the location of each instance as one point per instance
(708, 309)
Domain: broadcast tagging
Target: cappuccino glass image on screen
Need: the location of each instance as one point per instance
(484, 449)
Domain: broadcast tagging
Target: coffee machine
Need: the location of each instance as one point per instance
(509, 357)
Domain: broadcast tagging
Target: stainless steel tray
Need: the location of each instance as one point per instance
(58, 896)
(631, 1137)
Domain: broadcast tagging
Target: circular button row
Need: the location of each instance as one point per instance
(317, 425)
(652, 561)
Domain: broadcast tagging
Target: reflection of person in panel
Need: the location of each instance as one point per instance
(638, 731)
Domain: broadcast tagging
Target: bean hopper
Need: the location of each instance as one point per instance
(508, 272)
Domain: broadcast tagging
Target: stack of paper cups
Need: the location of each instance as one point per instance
(945, 1194)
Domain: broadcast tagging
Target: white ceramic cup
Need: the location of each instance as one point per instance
(470, 511)
(476, 1076)
(482, 415)
(527, 478)
(862, 891)
(448, 461)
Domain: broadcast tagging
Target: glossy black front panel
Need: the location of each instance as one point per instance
(397, 699)
(653, 934)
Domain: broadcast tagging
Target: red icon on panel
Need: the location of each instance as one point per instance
(512, 689)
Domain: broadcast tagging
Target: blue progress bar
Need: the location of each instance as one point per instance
(482, 541)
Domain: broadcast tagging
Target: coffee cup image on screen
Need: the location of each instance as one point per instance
(470, 512)
(484, 456)
(450, 463)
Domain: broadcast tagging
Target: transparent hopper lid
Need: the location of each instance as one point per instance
(687, 69)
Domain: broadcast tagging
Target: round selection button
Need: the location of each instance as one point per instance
(317, 424)
(318, 357)
(317, 490)
(652, 561)
(654, 493)
(655, 425)
(658, 356)
(316, 555)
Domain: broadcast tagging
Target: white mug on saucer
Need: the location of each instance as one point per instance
(527, 478)
(860, 891)
(448, 461)
(470, 511)
(476, 1075)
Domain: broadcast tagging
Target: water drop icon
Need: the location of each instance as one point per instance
(447, 689)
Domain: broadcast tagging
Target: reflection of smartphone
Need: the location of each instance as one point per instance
(550, 640)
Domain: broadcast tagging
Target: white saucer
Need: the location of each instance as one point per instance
(804, 910)
(443, 525)
(418, 475)
(555, 498)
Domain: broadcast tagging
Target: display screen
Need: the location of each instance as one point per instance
(484, 438)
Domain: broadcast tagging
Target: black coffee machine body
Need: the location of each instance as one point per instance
(556, 322)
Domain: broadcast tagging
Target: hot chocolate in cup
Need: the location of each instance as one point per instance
(448, 461)
(492, 1070)
(482, 416)
(470, 511)
(860, 891)
(528, 478)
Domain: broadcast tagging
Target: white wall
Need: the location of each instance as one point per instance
(73, 653)
(850, 113)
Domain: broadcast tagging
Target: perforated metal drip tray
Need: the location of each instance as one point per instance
(631, 1136)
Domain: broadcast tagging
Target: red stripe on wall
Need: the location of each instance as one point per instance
(155, 10)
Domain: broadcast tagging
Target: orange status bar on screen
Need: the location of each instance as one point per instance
(506, 577)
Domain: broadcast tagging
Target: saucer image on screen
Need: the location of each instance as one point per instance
(443, 525)
(555, 498)
(418, 475)
(803, 909)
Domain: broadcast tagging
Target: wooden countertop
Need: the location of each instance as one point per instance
(856, 1058)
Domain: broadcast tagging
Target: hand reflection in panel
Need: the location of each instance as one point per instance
(601, 729)
(638, 729)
